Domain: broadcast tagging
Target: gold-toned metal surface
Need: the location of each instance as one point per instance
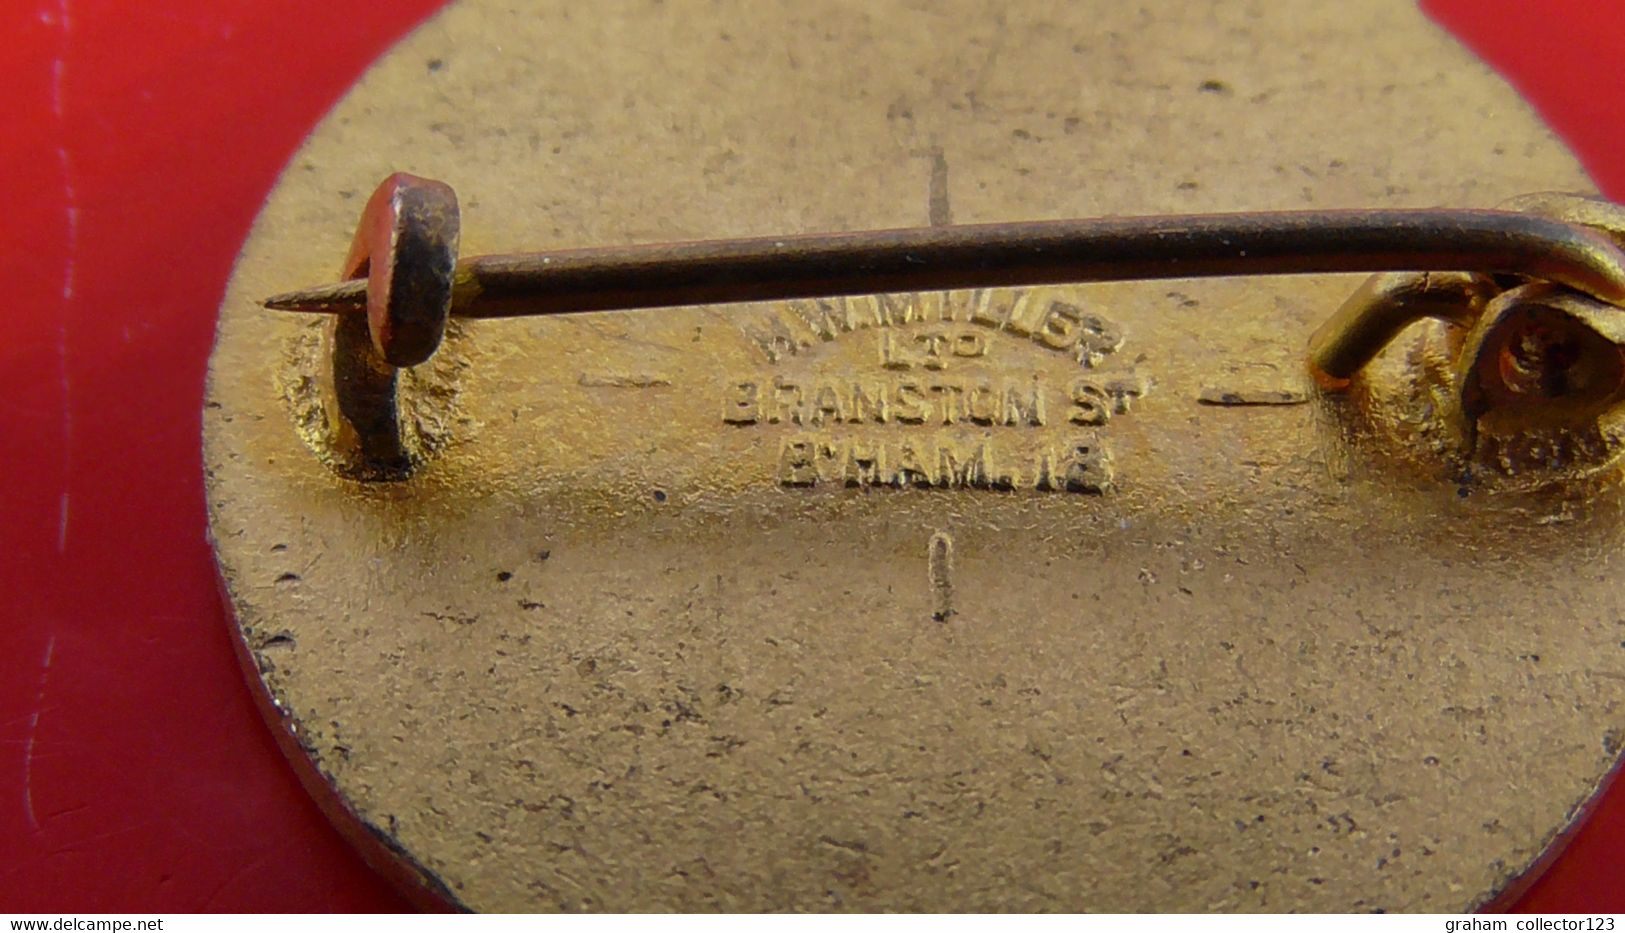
(887, 602)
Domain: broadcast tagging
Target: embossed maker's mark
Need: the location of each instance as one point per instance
(1082, 465)
(1010, 402)
(1047, 316)
(963, 419)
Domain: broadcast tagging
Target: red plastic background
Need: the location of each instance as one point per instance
(140, 139)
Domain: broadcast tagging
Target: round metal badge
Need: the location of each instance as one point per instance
(1065, 597)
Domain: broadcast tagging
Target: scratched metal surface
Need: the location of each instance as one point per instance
(657, 630)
